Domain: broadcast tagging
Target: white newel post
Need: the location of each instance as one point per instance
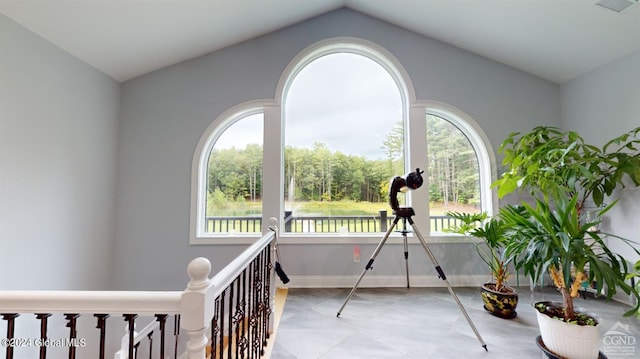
(196, 307)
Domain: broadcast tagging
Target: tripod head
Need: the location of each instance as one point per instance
(410, 181)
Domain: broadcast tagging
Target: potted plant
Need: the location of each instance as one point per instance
(633, 276)
(550, 238)
(499, 299)
(549, 161)
(563, 174)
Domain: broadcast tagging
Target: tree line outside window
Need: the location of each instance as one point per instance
(320, 176)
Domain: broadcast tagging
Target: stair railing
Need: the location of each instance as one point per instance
(229, 313)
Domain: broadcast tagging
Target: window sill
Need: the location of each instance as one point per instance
(332, 238)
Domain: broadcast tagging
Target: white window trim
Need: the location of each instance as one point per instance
(414, 113)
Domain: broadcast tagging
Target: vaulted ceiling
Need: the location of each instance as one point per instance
(553, 39)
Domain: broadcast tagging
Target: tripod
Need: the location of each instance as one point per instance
(406, 213)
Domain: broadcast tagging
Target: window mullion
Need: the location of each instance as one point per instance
(273, 163)
(416, 158)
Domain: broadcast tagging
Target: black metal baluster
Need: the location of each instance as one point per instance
(150, 337)
(245, 329)
(215, 328)
(258, 304)
(238, 316)
(176, 335)
(135, 350)
(233, 318)
(257, 340)
(230, 331)
(102, 319)
(260, 310)
(251, 307)
(267, 291)
(73, 333)
(263, 292)
(131, 320)
(257, 286)
(162, 318)
(43, 333)
(265, 304)
(222, 306)
(248, 295)
(10, 318)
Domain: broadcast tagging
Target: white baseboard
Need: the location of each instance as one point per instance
(383, 281)
(401, 281)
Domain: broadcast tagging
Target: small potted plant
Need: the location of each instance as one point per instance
(499, 299)
(562, 173)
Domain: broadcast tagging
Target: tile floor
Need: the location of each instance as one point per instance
(418, 323)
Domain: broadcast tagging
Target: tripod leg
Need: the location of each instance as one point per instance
(444, 278)
(406, 256)
(369, 264)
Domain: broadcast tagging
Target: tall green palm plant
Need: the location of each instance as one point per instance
(563, 173)
(551, 238)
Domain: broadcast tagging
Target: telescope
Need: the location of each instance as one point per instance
(408, 182)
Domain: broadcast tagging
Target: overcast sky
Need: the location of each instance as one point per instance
(346, 101)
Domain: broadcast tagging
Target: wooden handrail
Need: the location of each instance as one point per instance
(112, 302)
(223, 278)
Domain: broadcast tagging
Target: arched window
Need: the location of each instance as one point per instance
(461, 165)
(229, 187)
(453, 176)
(234, 179)
(343, 123)
(344, 140)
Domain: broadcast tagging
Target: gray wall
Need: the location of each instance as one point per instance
(61, 139)
(164, 113)
(601, 105)
(58, 145)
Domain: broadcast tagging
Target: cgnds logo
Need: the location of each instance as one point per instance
(620, 341)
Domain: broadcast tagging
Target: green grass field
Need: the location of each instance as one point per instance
(368, 210)
(335, 208)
